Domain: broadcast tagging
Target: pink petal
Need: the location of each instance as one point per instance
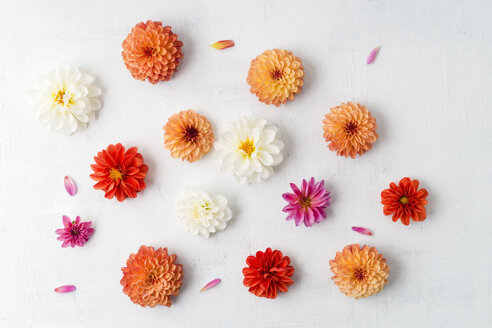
(210, 285)
(70, 186)
(372, 55)
(363, 231)
(65, 289)
(67, 222)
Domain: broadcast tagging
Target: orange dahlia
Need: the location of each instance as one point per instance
(151, 277)
(152, 52)
(268, 273)
(359, 272)
(188, 135)
(119, 172)
(275, 76)
(350, 129)
(405, 201)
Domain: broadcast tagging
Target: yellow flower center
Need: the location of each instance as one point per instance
(247, 148)
(404, 200)
(115, 174)
(61, 97)
(199, 209)
(305, 202)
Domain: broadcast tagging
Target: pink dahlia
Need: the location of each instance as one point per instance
(308, 204)
(74, 233)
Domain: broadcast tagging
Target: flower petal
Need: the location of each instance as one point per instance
(70, 186)
(372, 55)
(363, 231)
(210, 284)
(65, 289)
(223, 44)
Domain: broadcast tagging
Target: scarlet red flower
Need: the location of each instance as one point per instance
(267, 273)
(405, 201)
(119, 172)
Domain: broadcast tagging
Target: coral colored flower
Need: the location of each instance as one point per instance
(405, 201)
(151, 277)
(152, 52)
(268, 273)
(248, 149)
(66, 99)
(188, 135)
(359, 272)
(202, 213)
(275, 76)
(119, 172)
(350, 129)
(74, 233)
(307, 204)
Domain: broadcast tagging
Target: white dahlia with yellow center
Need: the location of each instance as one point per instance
(65, 99)
(249, 149)
(202, 213)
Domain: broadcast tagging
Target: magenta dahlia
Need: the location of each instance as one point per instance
(307, 204)
(74, 233)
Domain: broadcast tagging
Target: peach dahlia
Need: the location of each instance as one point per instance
(152, 52)
(276, 76)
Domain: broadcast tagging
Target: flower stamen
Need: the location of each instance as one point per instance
(277, 74)
(404, 200)
(191, 134)
(247, 148)
(115, 174)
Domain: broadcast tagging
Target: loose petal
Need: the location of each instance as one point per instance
(210, 285)
(70, 186)
(223, 44)
(363, 231)
(372, 55)
(65, 289)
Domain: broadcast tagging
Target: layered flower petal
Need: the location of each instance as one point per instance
(276, 76)
(65, 99)
(119, 172)
(152, 52)
(350, 129)
(359, 271)
(202, 213)
(405, 201)
(248, 149)
(74, 233)
(188, 135)
(268, 273)
(151, 277)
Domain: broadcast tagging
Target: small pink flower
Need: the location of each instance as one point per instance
(308, 204)
(75, 233)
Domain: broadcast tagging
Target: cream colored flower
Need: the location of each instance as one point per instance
(202, 213)
(248, 149)
(65, 99)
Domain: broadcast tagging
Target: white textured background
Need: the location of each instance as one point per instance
(430, 90)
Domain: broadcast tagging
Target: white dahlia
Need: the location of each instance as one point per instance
(248, 149)
(202, 213)
(65, 99)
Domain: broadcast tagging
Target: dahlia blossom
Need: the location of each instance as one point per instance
(66, 99)
(152, 52)
(268, 273)
(350, 129)
(276, 76)
(307, 204)
(74, 233)
(248, 149)
(188, 135)
(359, 272)
(405, 201)
(202, 213)
(119, 172)
(151, 277)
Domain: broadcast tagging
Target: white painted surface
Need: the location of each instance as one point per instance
(430, 90)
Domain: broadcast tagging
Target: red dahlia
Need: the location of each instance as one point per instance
(405, 201)
(267, 273)
(119, 172)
